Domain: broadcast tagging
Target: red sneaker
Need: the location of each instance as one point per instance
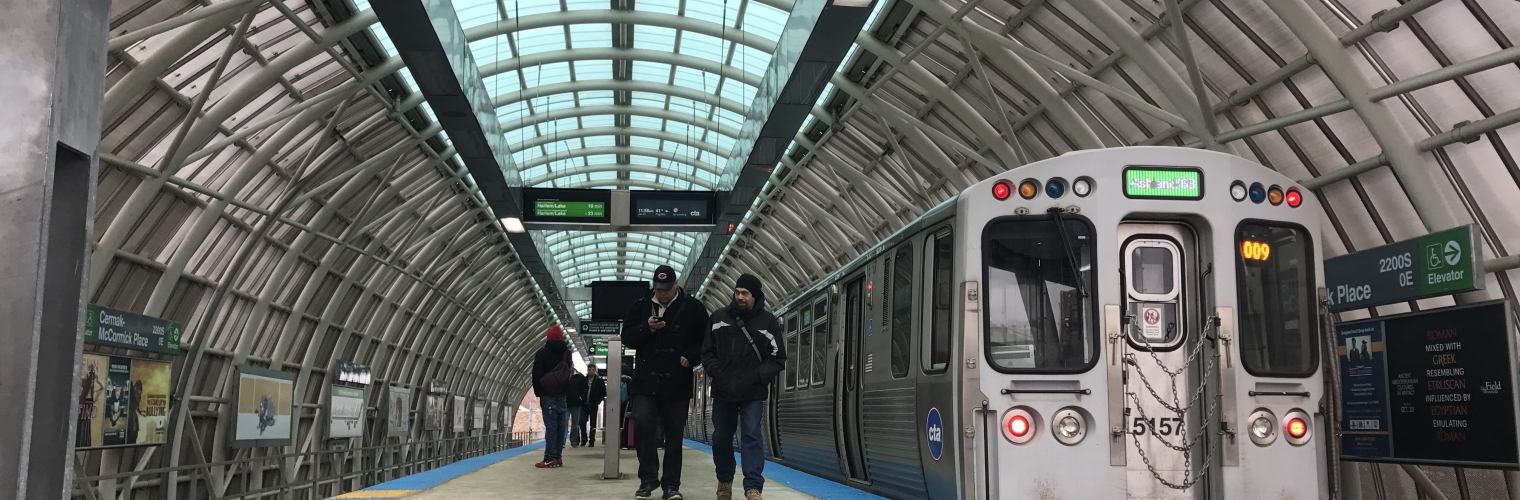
(547, 464)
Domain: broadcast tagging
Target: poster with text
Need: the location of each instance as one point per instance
(432, 410)
(264, 405)
(345, 413)
(459, 414)
(122, 402)
(398, 412)
(495, 416)
(480, 416)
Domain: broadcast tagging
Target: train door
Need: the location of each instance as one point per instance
(848, 386)
(936, 388)
(1167, 365)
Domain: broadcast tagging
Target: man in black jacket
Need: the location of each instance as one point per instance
(551, 399)
(666, 329)
(741, 355)
(596, 393)
(575, 396)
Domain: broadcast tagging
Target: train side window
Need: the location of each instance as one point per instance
(804, 350)
(822, 339)
(1276, 301)
(791, 347)
(941, 255)
(902, 310)
(1039, 294)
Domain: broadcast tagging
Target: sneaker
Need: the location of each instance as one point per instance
(672, 494)
(549, 464)
(752, 495)
(725, 491)
(644, 493)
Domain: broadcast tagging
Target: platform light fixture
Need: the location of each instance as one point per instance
(513, 225)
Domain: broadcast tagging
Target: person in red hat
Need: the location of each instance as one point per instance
(552, 370)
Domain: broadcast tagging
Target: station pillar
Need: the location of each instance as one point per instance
(53, 61)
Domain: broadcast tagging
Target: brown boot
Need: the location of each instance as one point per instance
(725, 491)
(752, 495)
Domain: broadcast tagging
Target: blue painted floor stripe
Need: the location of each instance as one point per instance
(435, 477)
(798, 480)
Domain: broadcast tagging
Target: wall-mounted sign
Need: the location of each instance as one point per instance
(345, 412)
(122, 402)
(432, 413)
(106, 326)
(585, 206)
(264, 408)
(438, 387)
(459, 415)
(398, 406)
(1440, 263)
(478, 422)
(495, 415)
(1181, 183)
(1434, 387)
(604, 327)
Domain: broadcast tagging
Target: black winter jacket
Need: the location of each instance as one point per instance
(544, 362)
(657, 363)
(575, 391)
(598, 392)
(737, 373)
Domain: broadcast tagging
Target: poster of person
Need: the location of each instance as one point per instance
(264, 404)
(459, 414)
(431, 418)
(122, 402)
(345, 412)
(398, 406)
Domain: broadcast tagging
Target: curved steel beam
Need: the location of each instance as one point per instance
(617, 150)
(660, 242)
(607, 53)
(613, 183)
(508, 127)
(579, 133)
(616, 167)
(553, 89)
(609, 16)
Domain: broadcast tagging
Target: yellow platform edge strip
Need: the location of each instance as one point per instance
(377, 494)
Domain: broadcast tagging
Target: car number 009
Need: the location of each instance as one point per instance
(1165, 427)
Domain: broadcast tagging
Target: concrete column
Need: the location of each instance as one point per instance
(53, 59)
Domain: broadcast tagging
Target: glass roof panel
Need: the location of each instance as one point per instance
(654, 38)
(533, 41)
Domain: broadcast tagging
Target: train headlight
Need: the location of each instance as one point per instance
(1070, 426)
(1019, 425)
(1238, 191)
(1262, 427)
(1296, 427)
(1082, 186)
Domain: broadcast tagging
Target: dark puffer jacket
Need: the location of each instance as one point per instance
(657, 362)
(575, 391)
(738, 373)
(544, 362)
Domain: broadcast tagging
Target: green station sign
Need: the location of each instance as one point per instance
(1163, 183)
(599, 350)
(546, 208)
(106, 326)
(1439, 263)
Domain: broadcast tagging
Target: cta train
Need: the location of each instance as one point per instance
(1123, 323)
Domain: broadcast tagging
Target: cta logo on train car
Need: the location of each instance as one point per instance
(936, 433)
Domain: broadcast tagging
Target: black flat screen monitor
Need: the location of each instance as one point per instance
(586, 206)
(610, 300)
(670, 207)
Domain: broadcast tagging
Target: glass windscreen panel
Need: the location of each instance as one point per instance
(1277, 323)
(1152, 270)
(791, 347)
(1037, 317)
(822, 339)
(942, 299)
(901, 295)
(805, 346)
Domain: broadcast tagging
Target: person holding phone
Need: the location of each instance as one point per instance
(665, 328)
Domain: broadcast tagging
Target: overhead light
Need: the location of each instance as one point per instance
(512, 224)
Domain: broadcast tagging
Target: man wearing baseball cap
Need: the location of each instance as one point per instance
(666, 329)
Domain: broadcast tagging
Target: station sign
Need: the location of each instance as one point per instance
(106, 326)
(1434, 388)
(1440, 263)
(601, 328)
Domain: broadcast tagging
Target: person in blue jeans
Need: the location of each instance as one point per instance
(551, 395)
(741, 355)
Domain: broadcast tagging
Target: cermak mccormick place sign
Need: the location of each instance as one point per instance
(1439, 263)
(106, 326)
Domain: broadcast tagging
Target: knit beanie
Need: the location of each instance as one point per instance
(555, 333)
(751, 283)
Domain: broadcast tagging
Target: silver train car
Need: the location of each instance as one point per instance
(1126, 323)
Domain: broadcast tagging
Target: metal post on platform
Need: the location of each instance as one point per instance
(612, 411)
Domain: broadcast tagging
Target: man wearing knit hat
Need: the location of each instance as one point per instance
(551, 376)
(666, 329)
(741, 355)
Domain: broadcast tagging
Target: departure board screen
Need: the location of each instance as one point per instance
(1163, 183)
(545, 208)
(586, 206)
(670, 207)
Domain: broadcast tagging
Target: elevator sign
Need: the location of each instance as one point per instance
(1440, 263)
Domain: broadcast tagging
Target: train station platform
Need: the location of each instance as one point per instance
(510, 474)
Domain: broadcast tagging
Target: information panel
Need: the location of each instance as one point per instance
(587, 206)
(106, 326)
(670, 207)
(1440, 263)
(1182, 183)
(1434, 387)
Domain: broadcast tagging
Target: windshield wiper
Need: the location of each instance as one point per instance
(1067, 250)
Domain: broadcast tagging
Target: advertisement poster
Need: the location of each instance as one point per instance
(495, 416)
(122, 402)
(345, 413)
(459, 414)
(432, 417)
(1364, 390)
(480, 416)
(398, 406)
(264, 405)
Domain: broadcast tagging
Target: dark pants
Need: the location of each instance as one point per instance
(745, 416)
(649, 414)
(556, 424)
(588, 415)
(577, 426)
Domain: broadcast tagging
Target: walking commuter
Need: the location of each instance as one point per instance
(575, 396)
(666, 329)
(551, 376)
(596, 392)
(741, 354)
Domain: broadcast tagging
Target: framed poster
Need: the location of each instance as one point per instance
(459, 414)
(122, 402)
(432, 418)
(479, 415)
(264, 408)
(495, 416)
(345, 412)
(398, 406)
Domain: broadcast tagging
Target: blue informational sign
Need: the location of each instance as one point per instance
(936, 433)
(1364, 390)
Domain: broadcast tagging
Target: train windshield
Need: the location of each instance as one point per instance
(1038, 318)
(1276, 280)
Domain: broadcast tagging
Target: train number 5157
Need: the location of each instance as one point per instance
(1166, 426)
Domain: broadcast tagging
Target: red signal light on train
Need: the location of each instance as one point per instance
(1297, 428)
(1018, 426)
(1001, 190)
(1293, 198)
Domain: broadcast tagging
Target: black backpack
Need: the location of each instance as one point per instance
(555, 381)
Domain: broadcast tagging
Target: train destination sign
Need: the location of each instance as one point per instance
(1163, 182)
(543, 208)
(1440, 263)
(106, 326)
(1434, 387)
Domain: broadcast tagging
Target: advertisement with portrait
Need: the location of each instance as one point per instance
(460, 420)
(398, 407)
(122, 402)
(432, 412)
(264, 408)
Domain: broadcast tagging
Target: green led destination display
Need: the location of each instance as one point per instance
(546, 208)
(1163, 183)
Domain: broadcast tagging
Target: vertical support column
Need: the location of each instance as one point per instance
(612, 411)
(54, 59)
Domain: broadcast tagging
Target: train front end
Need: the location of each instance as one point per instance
(1141, 323)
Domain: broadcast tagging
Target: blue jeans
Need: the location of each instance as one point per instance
(745, 415)
(556, 423)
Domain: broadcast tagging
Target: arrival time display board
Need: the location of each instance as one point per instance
(575, 209)
(1434, 387)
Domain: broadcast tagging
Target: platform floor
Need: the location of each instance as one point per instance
(510, 474)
